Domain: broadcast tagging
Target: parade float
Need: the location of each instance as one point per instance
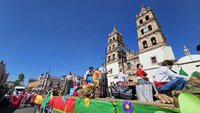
(186, 101)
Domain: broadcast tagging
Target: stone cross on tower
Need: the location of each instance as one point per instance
(186, 51)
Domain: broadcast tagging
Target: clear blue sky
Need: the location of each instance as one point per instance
(71, 35)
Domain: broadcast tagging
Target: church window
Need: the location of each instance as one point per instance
(145, 44)
(142, 31)
(153, 60)
(113, 46)
(117, 38)
(113, 56)
(110, 48)
(149, 27)
(153, 41)
(128, 66)
(110, 40)
(108, 58)
(114, 38)
(51, 83)
(147, 17)
(119, 56)
(141, 21)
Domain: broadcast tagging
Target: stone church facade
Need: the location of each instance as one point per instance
(152, 45)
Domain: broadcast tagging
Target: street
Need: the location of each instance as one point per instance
(19, 110)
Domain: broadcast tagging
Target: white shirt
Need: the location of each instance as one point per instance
(121, 77)
(164, 74)
(102, 70)
(87, 73)
(69, 77)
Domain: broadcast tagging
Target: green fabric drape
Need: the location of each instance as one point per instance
(182, 72)
(94, 107)
(189, 103)
(46, 100)
(138, 108)
(195, 73)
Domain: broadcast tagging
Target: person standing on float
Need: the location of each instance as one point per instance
(103, 81)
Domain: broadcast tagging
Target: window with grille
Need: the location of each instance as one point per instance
(153, 60)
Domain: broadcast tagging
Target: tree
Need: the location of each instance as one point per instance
(19, 80)
(16, 83)
(21, 77)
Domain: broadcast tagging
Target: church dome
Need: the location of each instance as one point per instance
(188, 58)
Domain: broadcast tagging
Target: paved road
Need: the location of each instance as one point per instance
(19, 110)
(25, 110)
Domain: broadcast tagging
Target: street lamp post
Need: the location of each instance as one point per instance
(46, 78)
(121, 51)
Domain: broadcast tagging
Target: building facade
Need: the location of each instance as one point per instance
(190, 63)
(114, 54)
(45, 82)
(153, 48)
(118, 57)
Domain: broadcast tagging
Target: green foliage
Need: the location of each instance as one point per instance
(19, 80)
(3, 89)
(16, 83)
(21, 77)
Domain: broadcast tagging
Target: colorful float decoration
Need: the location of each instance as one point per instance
(127, 106)
(87, 102)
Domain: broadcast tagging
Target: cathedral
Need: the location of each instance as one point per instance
(153, 48)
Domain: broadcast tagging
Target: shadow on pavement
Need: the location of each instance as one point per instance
(21, 109)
